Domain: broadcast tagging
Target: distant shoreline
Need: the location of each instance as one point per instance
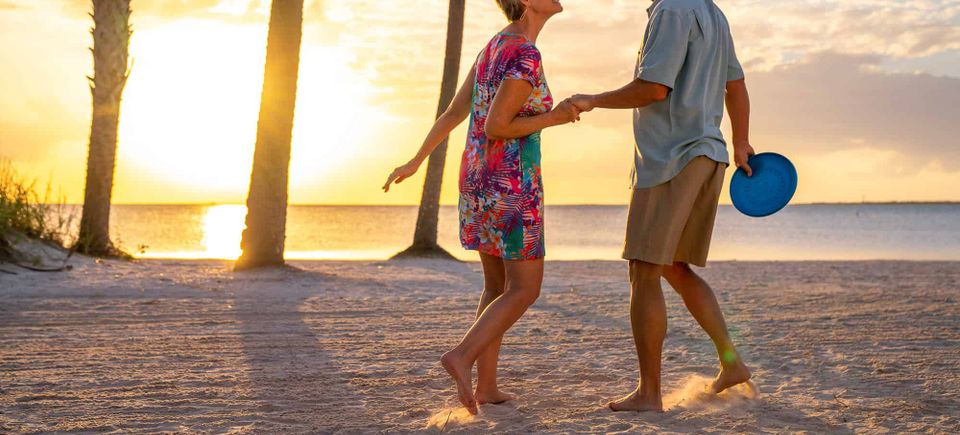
(211, 204)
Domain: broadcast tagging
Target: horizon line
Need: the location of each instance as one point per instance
(214, 203)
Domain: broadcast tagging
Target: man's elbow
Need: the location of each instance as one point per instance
(737, 87)
(650, 92)
(659, 92)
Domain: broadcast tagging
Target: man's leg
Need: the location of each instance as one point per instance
(702, 304)
(648, 319)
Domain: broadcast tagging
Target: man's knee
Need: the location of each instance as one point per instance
(643, 272)
(676, 271)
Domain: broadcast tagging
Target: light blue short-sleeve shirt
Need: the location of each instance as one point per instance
(688, 48)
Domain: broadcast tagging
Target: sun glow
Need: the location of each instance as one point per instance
(190, 110)
(222, 230)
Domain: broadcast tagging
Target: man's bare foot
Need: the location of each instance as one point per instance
(494, 397)
(636, 402)
(460, 372)
(730, 375)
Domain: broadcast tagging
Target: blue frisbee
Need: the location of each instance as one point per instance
(769, 190)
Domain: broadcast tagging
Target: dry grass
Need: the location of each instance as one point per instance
(23, 210)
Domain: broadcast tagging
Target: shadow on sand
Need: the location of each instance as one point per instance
(296, 383)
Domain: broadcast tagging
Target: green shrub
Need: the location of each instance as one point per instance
(24, 211)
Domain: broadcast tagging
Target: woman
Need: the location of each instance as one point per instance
(501, 195)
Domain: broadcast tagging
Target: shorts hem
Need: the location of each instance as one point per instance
(641, 257)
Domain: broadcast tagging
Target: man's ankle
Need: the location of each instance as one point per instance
(729, 357)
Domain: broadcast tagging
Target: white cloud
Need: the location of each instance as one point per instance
(832, 100)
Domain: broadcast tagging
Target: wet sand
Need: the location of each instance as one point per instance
(352, 347)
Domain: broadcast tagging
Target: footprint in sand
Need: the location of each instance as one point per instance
(450, 417)
(694, 394)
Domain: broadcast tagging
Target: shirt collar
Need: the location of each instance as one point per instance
(650, 9)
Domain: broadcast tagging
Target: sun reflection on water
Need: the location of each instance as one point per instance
(222, 229)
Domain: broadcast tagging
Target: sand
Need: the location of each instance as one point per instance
(349, 347)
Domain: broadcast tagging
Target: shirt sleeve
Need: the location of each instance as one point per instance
(734, 69)
(665, 48)
(525, 65)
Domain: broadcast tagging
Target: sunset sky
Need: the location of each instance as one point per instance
(863, 95)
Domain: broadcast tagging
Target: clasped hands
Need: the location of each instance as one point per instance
(569, 110)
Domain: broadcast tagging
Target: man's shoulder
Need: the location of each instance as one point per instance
(680, 5)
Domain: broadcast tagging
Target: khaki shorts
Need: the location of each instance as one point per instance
(673, 222)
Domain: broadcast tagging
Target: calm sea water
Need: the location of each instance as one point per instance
(804, 232)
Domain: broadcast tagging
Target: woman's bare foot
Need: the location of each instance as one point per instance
(730, 375)
(638, 403)
(460, 372)
(494, 397)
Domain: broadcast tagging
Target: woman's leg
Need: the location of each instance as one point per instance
(494, 277)
(523, 280)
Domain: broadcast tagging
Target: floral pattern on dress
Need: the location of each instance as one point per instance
(501, 188)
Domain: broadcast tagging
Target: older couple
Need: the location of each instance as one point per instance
(685, 71)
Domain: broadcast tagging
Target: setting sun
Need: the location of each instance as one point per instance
(189, 117)
(479, 216)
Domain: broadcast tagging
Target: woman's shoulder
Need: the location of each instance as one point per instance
(517, 42)
(518, 46)
(509, 44)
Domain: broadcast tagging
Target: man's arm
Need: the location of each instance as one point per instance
(738, 106)
(661, 59)
(638, 93)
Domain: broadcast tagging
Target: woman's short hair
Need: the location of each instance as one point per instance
(513, 9)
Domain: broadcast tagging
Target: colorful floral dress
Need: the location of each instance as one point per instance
(501, 190)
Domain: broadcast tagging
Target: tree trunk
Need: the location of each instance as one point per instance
(263, 238)
(111, 40)
(425, 234)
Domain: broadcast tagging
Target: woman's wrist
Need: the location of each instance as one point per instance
(591, 102)
(554, 118)
(417, 160)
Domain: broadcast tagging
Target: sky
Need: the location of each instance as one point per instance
(863, 96)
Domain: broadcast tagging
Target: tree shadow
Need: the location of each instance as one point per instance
(297, 384)
(357, 351)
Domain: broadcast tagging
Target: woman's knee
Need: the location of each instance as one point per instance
(495, 288)
(526, 296)
(494, 283)
(524, 279)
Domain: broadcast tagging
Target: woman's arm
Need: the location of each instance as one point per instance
(458, 111)
(503, 122)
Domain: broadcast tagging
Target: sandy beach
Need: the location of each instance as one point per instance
(189, 346)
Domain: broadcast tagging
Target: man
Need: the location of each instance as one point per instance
(686, 68)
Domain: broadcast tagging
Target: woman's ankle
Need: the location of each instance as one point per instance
(487, 387)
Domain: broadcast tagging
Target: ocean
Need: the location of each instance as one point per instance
(800, 232)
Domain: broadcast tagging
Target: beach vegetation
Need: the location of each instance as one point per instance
(26, 216)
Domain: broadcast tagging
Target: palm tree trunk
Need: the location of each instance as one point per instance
(111, 40)
(425, 234)
(263, 238)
